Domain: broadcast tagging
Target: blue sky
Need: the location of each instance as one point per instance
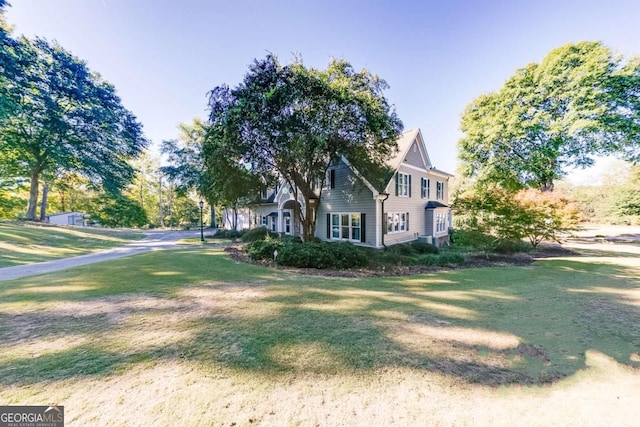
(437, 56)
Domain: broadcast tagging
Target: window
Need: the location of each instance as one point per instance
(403, 185)
(424, 188)
(263, 194)
(330, 180)
(440, 190)
(355, 227)
(397, 222)
(264, 221)
(335, 226)
(287, 224)
(347, 226)
(441, 222)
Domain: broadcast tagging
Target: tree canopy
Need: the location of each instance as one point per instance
(61, 116)
(290, 122)
(581, 101)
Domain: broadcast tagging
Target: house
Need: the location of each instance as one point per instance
(412, 206)
(67, 218)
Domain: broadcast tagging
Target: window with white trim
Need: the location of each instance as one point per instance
(441, 222)
(403, 185)
(397, 222)
(440, 190)
(424, 188)
(264, 221)
(346, 226)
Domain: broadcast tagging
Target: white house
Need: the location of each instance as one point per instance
(413, 205)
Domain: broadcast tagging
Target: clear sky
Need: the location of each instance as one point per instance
(437, 56)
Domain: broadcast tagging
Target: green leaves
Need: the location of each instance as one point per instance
(290, 122)
(63, 116)
(579, 102)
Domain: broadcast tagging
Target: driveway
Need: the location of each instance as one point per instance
(154, 241)
(611, 238)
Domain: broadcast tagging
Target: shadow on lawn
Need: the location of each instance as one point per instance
(492, 326)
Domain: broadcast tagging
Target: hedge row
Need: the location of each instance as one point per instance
(292, 252)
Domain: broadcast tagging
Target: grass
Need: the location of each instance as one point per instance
(194, 338)
(22, 243)
(208, 240)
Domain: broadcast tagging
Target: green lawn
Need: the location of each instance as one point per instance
(237, 341)
(24, 243)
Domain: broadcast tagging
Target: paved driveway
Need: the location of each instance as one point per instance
(155, 240)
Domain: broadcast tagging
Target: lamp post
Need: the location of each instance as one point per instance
(201, 224)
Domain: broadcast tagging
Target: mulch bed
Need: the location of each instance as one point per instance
(236, 253)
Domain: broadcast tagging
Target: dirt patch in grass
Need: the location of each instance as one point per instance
(237, 253)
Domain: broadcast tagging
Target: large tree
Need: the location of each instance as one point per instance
(290, 122)
(581, 101)
(185, 166)
(66, 118)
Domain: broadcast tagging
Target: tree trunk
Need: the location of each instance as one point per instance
(160, 213)
(546, 186)
(235, 218)
(308, 222)
(213, 215)
(63, 201)
(43, 205)
(33, 194)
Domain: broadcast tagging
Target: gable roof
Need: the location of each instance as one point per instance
(405, 142)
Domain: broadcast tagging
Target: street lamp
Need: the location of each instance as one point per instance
(201, 224)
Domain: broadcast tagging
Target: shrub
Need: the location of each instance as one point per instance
(511, 246)
(346, 255)
(477, 240)
(401, 249)
(254, 234)
(292, 239)
(264, 249)
(424, 248)
(229, 234)
(441, 259)
(392, 258)
(294, 253)
(309, 255)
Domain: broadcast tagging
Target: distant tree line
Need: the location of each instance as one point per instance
(580, 102)
(59, 118)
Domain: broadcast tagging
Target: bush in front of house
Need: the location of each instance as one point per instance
(394, 259)
(293, 253)
(443, 259)
(512, 246)
(424, 248)
(322, 255)
(307, 255)
(411, 249)
(264, 249)
(473, 239)
(229, 234)
(259, 233)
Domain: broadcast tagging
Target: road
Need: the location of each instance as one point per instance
(155, 240)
